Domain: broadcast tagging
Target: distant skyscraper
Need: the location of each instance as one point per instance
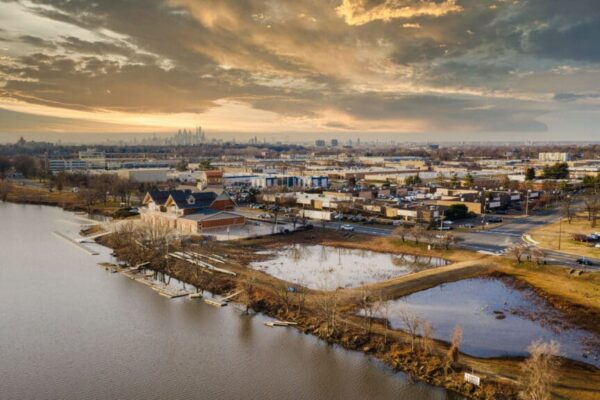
(334, 142)
(320, 143)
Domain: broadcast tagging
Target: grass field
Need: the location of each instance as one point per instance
(548, 237)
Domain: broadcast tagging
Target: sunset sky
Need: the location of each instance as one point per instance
(401, 69)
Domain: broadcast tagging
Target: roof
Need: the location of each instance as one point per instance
(188, 199)
(203, 215)
(160, 197)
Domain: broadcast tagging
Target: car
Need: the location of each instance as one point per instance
(444, 228)
(346, 227)
(494, 220)
(502, 212)
(584, 261)
(470, 226)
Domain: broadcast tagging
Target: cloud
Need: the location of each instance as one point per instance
(367, 65)
(360, 12)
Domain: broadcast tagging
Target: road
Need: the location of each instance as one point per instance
(493, 239)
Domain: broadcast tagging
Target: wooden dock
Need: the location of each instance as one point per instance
(193, 258)
(272, 324)
(76, 243)
(215, 303)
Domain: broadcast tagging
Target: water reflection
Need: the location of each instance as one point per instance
(70, 330)
(328, 268)
(497, 318)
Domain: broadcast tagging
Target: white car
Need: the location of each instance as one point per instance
(347, 227)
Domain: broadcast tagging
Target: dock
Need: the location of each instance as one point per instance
(76, 243)
(272, 324)
(90, 239)
(193, 258)
(195, 296)
(215, 303)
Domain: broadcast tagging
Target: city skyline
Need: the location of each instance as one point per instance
(403, 70)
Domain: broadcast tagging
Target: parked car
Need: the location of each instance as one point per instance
(494, 220)
(444, 228)
(584, 261)
(470, 226)
(347, 227)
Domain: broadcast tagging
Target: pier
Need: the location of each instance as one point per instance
(76, 243)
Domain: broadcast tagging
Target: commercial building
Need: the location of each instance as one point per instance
(554, 157)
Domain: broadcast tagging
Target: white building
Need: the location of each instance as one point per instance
(554, 157)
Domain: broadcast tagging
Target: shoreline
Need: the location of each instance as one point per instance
(390, 347)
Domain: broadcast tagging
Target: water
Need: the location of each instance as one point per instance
(70, 330)
(327, 268)
(472, 302)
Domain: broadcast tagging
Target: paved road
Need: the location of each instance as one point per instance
(492, 239)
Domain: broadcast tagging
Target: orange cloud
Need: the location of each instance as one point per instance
(355, 12)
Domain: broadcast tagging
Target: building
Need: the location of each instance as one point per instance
(289, 181)
(334, 143)
(190, 212)
(94, 159)
(66, 165)
(554, 157)
(320, 143)
(144, 175)
(88, 159)
(209, 178)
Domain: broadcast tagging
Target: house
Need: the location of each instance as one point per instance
(190, 212)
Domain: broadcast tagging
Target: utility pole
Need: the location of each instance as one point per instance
(527, 202)
(559, 232)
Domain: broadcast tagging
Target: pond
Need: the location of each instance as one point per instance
(497, 317)
(328, 268)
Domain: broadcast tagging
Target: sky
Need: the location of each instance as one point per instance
(394, 69)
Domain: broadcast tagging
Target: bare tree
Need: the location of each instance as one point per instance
(427, 337)
(384, 308)
(567, 209)
(518, 251)
(452, 354)
(368, 307)
(402, 232)
(446, 240)
(247, 288)
(539, 371)
(327, 306)
(537, 255)
(412, 322)
(284, 296)
(418, 232)
(592, 206)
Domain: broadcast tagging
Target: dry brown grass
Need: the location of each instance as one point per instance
(583, 290)
(396, 246)
(548, 237)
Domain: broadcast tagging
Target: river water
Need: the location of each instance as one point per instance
(70, 330)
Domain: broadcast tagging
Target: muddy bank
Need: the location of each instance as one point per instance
(575, 314)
